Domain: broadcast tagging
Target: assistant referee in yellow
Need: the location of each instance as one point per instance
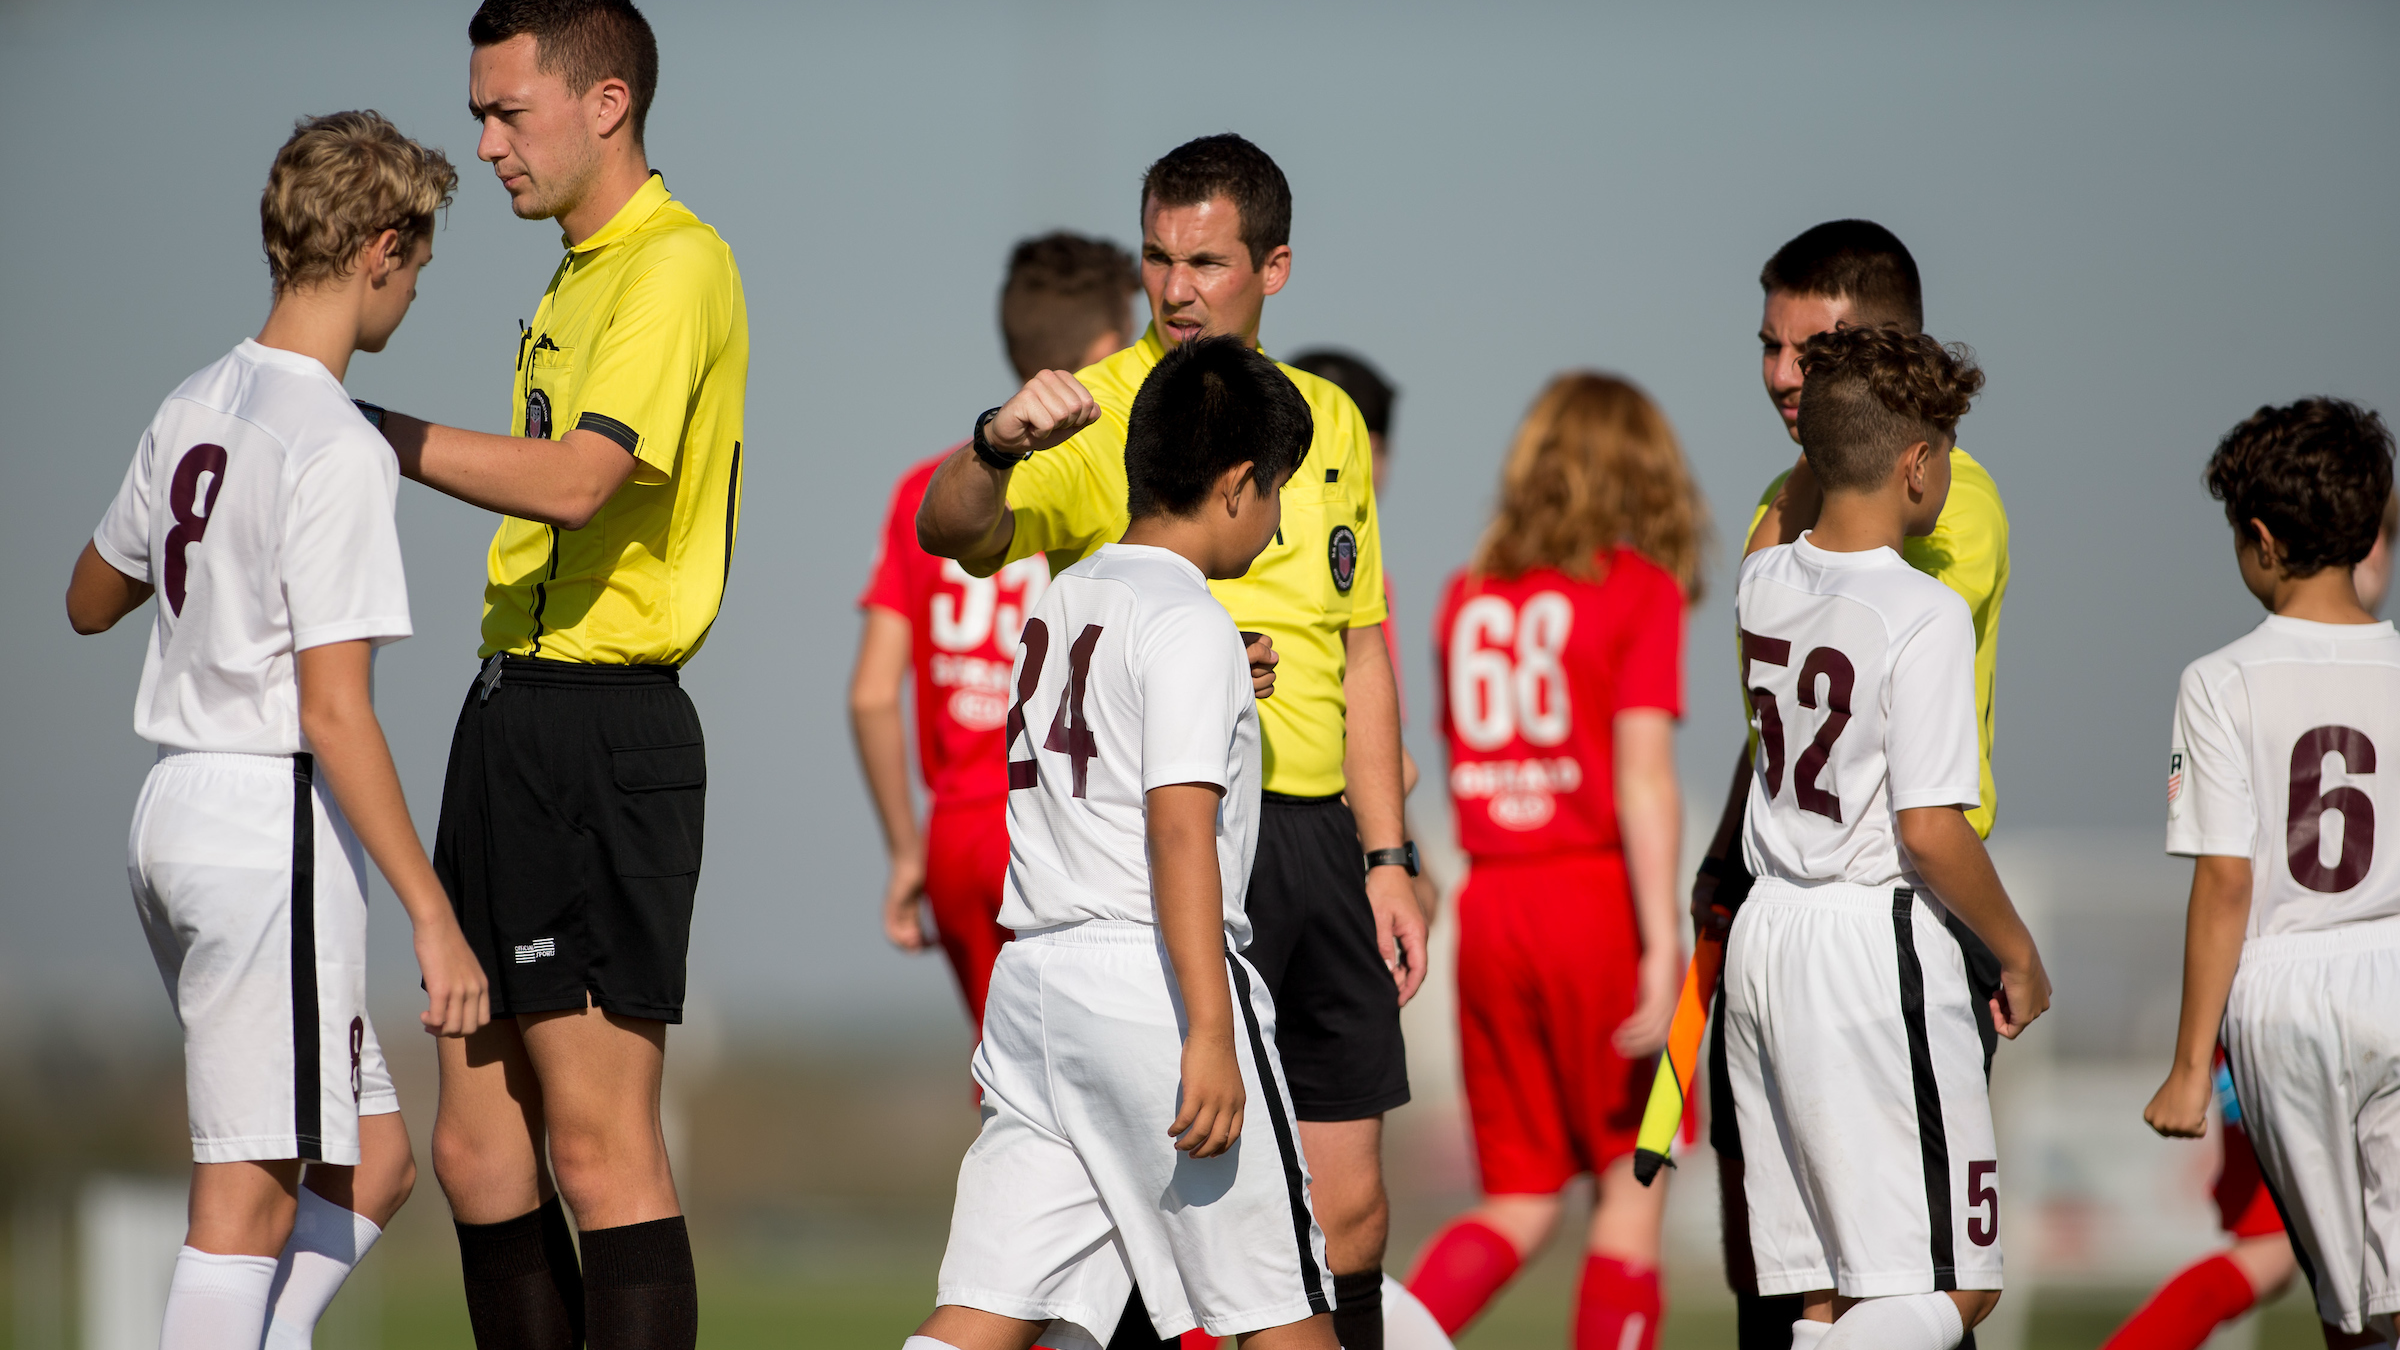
(571, 815)
(1338, 938)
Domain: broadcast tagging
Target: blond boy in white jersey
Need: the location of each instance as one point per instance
(1850, 1026)
(1124, 1038)
(2274, 787)
(259, 509)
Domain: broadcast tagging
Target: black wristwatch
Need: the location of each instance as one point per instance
(373, 412)
(1403, 856)
(1002, 460)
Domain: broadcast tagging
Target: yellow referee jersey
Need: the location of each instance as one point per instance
(643, 338)
(1967, 552)
(1321, 577)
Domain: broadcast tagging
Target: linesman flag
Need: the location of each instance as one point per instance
(1671, 1091)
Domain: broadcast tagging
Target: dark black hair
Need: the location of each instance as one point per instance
(1856, 260)
(1211, 404)
(1353, 376)
(2317, 472)
(1225, 165)
(581, 41)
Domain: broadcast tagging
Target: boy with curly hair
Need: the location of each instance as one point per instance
(1851, 1037)
(2292, 945)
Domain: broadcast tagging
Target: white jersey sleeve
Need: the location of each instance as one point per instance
(342, 575)
(2209, 809)
(123, 539)
(1930, 738)
(1192, 669)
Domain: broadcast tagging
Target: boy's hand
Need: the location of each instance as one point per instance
(2024, 996)
(1261, 650)
(2180, 1110)
(1051, 407)
(903, 902)
(1211, 1118)
(458, 1001)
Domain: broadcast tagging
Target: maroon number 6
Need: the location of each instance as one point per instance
(1982, 1231)
(2305, 824)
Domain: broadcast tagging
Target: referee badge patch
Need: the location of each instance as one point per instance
(1341, 553)
(537, 414)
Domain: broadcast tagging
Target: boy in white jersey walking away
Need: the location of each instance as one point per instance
(258, 509)
(1125, 1042)
(2292, 952)
(1852, 1046)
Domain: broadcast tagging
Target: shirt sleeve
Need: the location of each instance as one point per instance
(1195, 683)
(1368, 605)
(342, 577)
(2209, 809)
(1061, 504)
(1652, 673)
(1929, 734)
(123, 539)
(887, 586)
(668, 327)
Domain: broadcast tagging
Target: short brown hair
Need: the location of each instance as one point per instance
(1869, 393)
(1225, 165)
(2318, 473)
(1854, 260)
(341, 180)
(1063, 291)
(1595, 464)
(581, 41)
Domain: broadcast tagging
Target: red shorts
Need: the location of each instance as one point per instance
(1549, 964)
(966, 862)
(2244, 1208)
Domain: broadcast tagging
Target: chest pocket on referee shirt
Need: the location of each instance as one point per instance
(659, 809)
(550, 370)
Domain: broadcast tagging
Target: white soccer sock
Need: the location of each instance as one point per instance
(925, 1343)
(328, 1241)
(1902, 1322)
(216, 1302)
(1807, 1335)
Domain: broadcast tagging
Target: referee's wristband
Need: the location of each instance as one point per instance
(1002, 460)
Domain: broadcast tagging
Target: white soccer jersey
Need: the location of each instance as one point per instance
(1129, 676)
(260, 504)
(1861, 676)
(2274, 760)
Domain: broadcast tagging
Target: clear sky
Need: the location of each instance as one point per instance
(2147, 221)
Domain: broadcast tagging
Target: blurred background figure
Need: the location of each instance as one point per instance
(1561, 651)
(1067, 303)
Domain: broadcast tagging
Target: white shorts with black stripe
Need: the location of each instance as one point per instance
(1074, 1190)
(2312, 1032)
(1857, 1074)
(251, 888)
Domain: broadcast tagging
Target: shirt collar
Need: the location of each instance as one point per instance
(636, 211)
(1154, 350)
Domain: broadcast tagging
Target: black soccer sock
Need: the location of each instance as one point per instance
(639, 1292)
(515, 1299)
(1765, 1323)
(566, 1272)
(1358, 1309)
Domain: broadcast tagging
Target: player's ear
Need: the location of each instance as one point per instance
(381, 256)
(1233, 485)
(612, 105)
(2259, 537)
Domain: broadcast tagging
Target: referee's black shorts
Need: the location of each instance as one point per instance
(1337, 1010)
(570, 835)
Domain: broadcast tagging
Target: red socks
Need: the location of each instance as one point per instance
(1617, 1306)
(1460, 1270)
(2186, 1310)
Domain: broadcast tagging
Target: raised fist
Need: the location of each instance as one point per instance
(1051, 407)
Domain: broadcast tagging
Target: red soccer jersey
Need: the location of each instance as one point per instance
(1533, 673)
(963, 639)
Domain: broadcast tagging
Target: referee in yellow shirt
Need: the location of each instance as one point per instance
(1338, 937)
(1840, 273)
(571, 816)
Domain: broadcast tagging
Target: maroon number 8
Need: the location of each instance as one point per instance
(183, 495)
